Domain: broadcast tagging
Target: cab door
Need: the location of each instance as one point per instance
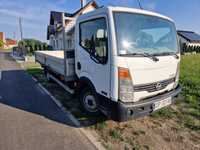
(93, 53)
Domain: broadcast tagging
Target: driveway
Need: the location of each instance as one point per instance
(29, 119)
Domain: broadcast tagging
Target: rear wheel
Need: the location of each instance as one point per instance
(89, 101)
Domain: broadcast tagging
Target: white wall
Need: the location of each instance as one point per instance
(193, 44)
(70, 41)
(56, 41)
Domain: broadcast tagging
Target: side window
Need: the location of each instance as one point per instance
(94, 38)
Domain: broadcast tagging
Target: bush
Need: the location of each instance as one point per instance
(1, 43)
(190, 48)
(32, 45)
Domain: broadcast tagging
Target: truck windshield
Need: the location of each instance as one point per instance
(137, 33)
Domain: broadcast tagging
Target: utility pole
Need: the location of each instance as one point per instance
(20, 28)
(13, 35)
(139, 2)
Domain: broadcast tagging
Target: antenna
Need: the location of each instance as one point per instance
(139, 3)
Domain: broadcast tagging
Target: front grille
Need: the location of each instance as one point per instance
(152, 87)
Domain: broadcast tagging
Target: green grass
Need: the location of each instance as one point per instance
(165, 113)
(186, 111)
(6, 49)
(115, 134)
(188, 108)
(70, 102)
(35, 72)
(100, 126)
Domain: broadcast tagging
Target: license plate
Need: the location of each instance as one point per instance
(162, 103)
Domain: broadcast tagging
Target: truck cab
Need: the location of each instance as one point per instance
(127, 61)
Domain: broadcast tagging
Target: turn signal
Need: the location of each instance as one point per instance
(125, 85)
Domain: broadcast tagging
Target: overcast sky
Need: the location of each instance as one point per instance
(35, 13)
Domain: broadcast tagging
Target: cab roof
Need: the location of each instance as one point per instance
(124, 9)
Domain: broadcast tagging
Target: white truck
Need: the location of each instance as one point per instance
(125, 62)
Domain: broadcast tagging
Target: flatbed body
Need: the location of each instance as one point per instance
(55, 61)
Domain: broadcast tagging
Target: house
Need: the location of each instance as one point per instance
(10, 43)
(62, 24)
(7, 43)
(189, 38)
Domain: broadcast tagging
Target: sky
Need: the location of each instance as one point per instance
(35, 14)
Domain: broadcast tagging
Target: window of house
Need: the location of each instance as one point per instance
(94, 38)
(56, 44)
(68, 43)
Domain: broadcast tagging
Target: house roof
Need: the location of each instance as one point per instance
(57, 16)
(11, 42)
(189, 36)
(93, 3)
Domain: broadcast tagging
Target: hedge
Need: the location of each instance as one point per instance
(190, 48)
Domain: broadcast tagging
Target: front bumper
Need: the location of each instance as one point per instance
(120, 111)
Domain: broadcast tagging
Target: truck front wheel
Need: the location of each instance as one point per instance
(89, 101)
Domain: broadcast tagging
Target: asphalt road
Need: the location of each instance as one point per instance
(29, 119)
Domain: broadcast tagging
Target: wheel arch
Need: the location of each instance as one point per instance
(87, 82)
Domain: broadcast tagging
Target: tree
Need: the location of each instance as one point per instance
(33, 44)
(189, 49)
(39, 47)
(1, 43)
(194, 49)
(184, 47)
(198, 49)
(31, 48)
(35, 48)
(45, 46)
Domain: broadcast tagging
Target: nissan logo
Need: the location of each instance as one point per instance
(158, 86)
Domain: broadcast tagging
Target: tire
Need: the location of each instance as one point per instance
(89, 102)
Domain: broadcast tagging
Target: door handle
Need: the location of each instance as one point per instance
(78, 65)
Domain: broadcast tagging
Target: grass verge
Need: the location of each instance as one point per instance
(70, 102)
(174, 127)
(187, 110)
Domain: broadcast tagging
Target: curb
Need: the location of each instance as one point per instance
(85, 132)
(71, 117)
(0, 74)
(93, 140)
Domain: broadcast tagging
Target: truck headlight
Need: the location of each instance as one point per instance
(126, 91)
(177, 76)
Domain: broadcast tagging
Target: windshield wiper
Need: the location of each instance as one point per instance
(168, 53)
(154, 58)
